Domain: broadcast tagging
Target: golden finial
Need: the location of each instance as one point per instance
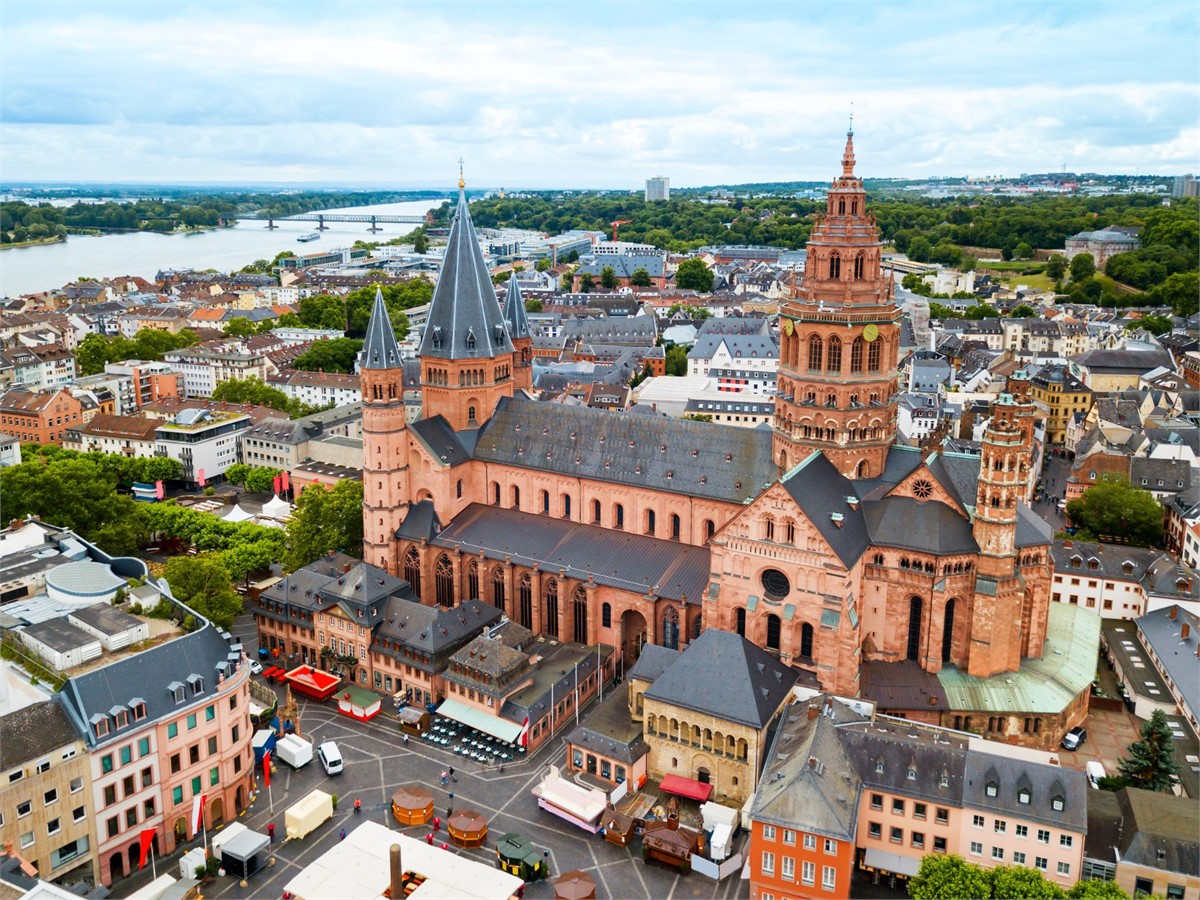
(462, 182)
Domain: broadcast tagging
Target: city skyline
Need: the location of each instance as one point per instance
(128, 92)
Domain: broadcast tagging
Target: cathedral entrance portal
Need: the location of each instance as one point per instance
(633, 636)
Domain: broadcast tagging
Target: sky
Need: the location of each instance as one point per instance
(598, 94)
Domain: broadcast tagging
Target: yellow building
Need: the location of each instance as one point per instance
(1060, 395)
(706, 710)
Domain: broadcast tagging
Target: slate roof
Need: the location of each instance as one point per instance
(380, 350)
(1123, 361)
(1176, 656)
(1043, 782)
(610, 731)
(820, 491)
(443, 442)
(664, 454)
(514, 311)
(909, 524)
(724, 675)
(33, 731)
(106, 619)
(895, 748)
(740, 346)
(735, 325)
(668, 569)
(821, 798)
(652, 661)
(432, 629)
(1154, 823)
(421, 523)
(464, 321)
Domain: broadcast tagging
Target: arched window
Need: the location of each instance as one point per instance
(498, 597)
(551, 607)
(595, 512)
(676, 526)
(856, 355)
(814, 353)
(740, 621)
(710, 528)
(649, 521)
(860, 265)
(566, 501)
(525, 602)
(495, 493)
(835, 265)
(806, 641)
(841, 207)
(606, 615)
(458, 489)
(790, 536)
(914, 628)
(516, 497)
(545, 503)
(581, 614)
(670, 629)
(443, 581)
(473, 580)
(471, 414)
(773, 630)
(618, 516)
(697, 625)
(947, 631)
(834, 362)
(412, 569)
(873, 356)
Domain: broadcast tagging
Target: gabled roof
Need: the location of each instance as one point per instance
(821, 492)
(464, 316)
(1045, 783)
(724, 675)
(514, 311)
(380, 350)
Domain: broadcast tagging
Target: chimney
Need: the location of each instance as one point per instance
(1186, 632)
(395, 871)
(346, 568)
(1174, 613)
(813, 712)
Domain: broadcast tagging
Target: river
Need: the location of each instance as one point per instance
(27, 269)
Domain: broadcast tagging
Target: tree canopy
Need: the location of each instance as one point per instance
(325, 520)
(256, 391)
(694, 275)
(1151, 762)
(95, 351)
(1117, 511)
(949, 877)
(337, 355)
(204, 584)
(1083, 265)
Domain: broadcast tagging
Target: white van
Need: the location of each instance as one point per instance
(1095, 771)
(330, 757)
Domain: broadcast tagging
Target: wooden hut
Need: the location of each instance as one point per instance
(467, 828)
(412, 805)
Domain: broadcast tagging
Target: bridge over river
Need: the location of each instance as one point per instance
(373, 219)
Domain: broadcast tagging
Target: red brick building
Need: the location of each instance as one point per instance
(39, 417)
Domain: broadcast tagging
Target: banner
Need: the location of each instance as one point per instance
(200, 478)
(147, 838)
(198, 812)
(159, 490)
(523, 737)
(286, 486)
(278, 482)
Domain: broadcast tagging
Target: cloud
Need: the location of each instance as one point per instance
(705, 93)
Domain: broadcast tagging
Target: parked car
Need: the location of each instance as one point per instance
(330, 757)
(255, 667)
(1095, 771)
(1075, 738)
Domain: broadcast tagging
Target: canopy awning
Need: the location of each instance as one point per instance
(686, 787)
(892, 863)
(237, 514)
(498, 728)
(245, 845)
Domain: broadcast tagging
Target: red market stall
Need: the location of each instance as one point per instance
(312, 682)
(686, 787)
(358, 703)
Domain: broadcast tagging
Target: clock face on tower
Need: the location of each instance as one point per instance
(871, 332)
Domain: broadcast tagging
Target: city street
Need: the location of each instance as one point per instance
(377, 762)
(1055, 472)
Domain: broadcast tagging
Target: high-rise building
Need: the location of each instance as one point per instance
(1183, 186)
(658, 188)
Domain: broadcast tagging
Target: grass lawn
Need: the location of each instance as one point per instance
(1039, 282)
(1012, 265)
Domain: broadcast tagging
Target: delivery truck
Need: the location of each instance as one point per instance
(294, 750)
(313, 809)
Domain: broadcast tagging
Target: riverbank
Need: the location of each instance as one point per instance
(57, 239)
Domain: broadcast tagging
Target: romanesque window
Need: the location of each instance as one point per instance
(495, 493)
(525, 602)
(443, 581)
(806, 641)
(774, 627)
(948, 631)
(595, 512)
(618, 516)
(697, 626)
(834, 362)
(566, 503)
(814, 353)
(650, 521)
(412, 569)
(545, 502)
(551, 607)
(835, 265)
(471, 414)
(606, 615)
(841, 207)
(915, 606)
(581, 612)
(676, 526)
(458, 489)
(710, 528)
(516, 497)
(856, 355)
(740, 622)
(769, 529)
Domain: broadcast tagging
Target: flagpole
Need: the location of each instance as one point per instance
(576, 694)
(153, 867)
(599, 673)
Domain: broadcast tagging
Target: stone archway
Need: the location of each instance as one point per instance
(180, 830)
(239, 800)
(633, 636)
(216, 812)
(116, 866)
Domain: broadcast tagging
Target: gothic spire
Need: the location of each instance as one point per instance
(380, 350)
(464, 315)
(514, 311)
(848, 154)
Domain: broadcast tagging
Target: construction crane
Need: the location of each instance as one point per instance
(616, 227)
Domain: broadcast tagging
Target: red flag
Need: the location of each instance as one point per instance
(278, 481)
(147, 838)
(198, 812)
(284, 476)
(159, 490)
(523, 737)
(267, 769)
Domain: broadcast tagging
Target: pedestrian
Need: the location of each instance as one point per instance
(405, 740)
(449, 812)
(357, 807)
(444, 776)
(342, 837)
(451, 771)
(452, 796)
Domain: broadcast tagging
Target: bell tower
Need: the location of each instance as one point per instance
(521, 334)
(466, 352)
(840, 341)
(385, 435)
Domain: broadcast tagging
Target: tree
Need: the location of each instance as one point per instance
(237, 473)
(533, 305)
(420, 242)
(608, 278)
(204, 584)
(1056, 267)
(1095, 889)
(1024, 311)
(640, 278)
(261, 479)
(1082, 266)
(240, 327)
(949, 878)
(543, 265)
(337, 355)
(1154, 324)
(676, 360)
(920, 250)
(1117, 510)
(1023, 251)
(982, 311)
(1180, 291)
(1151, 762)
(1021, 883)
(694, 275)
(325, 520)
(250, 390)
(699, 417)
(586, 281)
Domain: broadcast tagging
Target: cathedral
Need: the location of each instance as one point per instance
(918, 580)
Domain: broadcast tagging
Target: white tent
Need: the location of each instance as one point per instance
(277, 508)
(237, 514)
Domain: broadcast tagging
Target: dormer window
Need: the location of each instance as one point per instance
(944, 782)
(138, 706)
(1023, 796)
(1057, 804)
(437, 337)
(879, 767)
(911, 774)
(99, 725)
(176, 690)
(196, 683)
(470, 338)
(992, 789)
(120, 717)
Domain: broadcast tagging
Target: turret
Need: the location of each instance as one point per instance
(521, 335)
